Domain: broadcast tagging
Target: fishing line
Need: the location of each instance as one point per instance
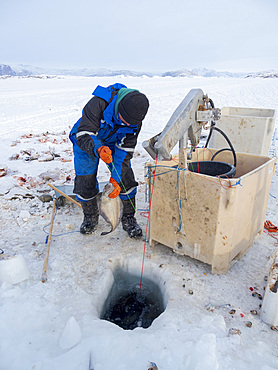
(122, 185)
(144, 251)
(149, 211)
(121, 181)
(69, 232)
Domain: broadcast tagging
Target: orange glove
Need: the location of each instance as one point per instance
(116, 190)
(105, 154)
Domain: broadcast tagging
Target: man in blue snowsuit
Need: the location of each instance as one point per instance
(108, 130)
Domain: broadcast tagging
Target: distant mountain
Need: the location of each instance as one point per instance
(122, 72)
(26, 70)
(6, 70)
(265, 74)
(179, 73)
(204, 72)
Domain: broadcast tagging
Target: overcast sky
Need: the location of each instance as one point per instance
(142, 35)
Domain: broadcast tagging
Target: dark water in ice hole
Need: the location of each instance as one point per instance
(125, 308)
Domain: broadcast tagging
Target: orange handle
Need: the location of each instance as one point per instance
(105, 154)
(117, 189)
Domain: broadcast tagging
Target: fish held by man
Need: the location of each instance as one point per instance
(110, 209)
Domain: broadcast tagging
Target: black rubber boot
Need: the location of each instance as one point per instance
(91, 213)
(129, 222)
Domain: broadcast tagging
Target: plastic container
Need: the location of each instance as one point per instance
(68, 189)
(213, 168)
(214, 220)
(250, 130)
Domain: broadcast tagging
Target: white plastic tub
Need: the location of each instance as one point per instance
(250, 130)
(210, 219)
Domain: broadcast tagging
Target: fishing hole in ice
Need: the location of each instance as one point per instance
(127, 306)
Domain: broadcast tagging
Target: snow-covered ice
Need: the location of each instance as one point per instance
(71, 335)
(56, 325)
(13, 269)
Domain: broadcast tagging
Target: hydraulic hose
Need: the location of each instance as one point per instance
(222, 133)
(211, 103)
(221, 150)
(210, 133)
(212, 124)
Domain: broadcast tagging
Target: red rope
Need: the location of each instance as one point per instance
(144, 252)
(271, 230)
(270, 227)
(273, 236)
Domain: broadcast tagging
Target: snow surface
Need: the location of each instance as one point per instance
(56, 325)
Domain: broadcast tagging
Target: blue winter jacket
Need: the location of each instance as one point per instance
(99, 126)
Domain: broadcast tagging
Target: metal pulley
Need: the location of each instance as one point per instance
(186, 122)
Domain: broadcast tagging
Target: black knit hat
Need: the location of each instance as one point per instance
(133, 107)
